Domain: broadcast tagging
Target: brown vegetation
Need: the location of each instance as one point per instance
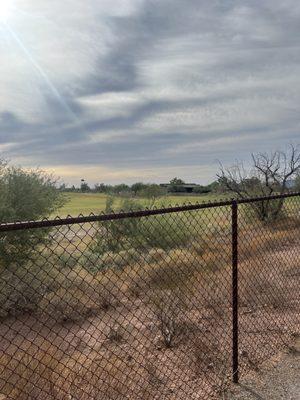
(152, 324)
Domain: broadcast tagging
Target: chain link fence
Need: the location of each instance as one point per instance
(168, 303)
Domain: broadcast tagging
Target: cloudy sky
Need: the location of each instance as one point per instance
(128, 90)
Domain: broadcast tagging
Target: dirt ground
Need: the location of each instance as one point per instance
(118, 353)
(278, 379)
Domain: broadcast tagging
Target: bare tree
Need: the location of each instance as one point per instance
(269, 175)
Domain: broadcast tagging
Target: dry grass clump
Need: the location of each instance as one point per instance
(23, 286)
(93, 376)
(212, 363)
(164, 270)
(168, 306)
(50, 375)
(263, 282)
(259, 239)
(173, 272)
(156, 255)
(95, 262)
(82, 294)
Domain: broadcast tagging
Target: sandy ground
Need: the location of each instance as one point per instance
(194, 368)
(278, 379)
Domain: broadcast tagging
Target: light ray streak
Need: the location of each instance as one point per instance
(40, 71)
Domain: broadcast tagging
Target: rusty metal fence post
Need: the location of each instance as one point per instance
(235, 316)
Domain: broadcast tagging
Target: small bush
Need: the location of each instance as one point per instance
(95, 262)
(163, 271)
(66, 260)
(79, 295)
(265, 211)
(22, 288)
(96, 376)
(167, 307)
(172, 272)
(143, 234)
(92, 262)
(116, 333)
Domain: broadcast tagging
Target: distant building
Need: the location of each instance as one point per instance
(184, 188)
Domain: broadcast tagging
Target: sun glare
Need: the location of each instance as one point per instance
(5, 9)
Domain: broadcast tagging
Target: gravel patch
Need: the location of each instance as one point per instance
(278, 379)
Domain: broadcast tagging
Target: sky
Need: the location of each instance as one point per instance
(128, 90)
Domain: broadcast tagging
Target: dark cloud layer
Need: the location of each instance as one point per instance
(157, 84)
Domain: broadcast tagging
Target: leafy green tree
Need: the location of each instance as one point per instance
(176, 185)
(25, 196)
(138, 187)
(102, 188)
(84, 187)
(159, 231)
(121, 188)
(176, 181)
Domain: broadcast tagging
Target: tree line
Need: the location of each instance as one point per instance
(176, 185)
(33, 194)
(270, 172)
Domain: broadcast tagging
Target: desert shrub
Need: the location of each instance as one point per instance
(175, 271)
(24, 273)
(25, 195)
(212, 362)
(164, 271)
(265, 211)
(95, 262)
(66, 260)
(169, 288)
(167, 231)
(23, 287)
(261, 284)
(79, 295)
(65, 293)
(160, 231)
(167, 306)
(115, 236)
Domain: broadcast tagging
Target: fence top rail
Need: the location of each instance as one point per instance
(20, 225)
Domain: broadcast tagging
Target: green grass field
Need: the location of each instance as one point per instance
(86, 203)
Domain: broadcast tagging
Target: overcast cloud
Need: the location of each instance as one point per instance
(128, 90)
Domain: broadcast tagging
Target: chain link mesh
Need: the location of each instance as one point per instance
(133, 306)
(269, 268)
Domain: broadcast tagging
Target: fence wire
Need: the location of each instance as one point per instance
(139, 305)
